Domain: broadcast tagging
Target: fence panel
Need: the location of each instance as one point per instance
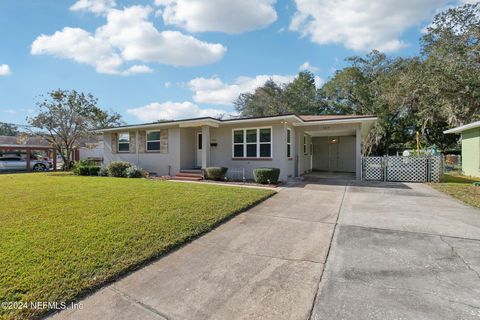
(402, 169)
(372, 168)
(407, 169)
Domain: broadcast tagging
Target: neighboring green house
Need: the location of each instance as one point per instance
(470, 147)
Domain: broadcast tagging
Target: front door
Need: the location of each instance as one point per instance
(199, 150)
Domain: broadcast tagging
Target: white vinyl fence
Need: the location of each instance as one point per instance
(403, 169)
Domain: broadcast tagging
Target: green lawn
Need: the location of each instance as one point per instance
(460, 187)
(62, 235)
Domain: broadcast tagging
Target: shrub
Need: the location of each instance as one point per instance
(85, 168)
(93, 170)
(103, 172)
(134, 172)
(215, 173)
(266, 175)
(118, 168)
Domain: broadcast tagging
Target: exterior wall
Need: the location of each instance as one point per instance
(471, 152)
(222, 154)
(155, 162)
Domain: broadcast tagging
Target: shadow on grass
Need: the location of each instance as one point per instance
(456, 178)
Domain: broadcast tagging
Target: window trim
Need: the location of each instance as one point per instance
(289, 143)
(147, 141)
(245, 143)
(118, 142)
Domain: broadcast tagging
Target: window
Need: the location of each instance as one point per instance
(252, 143)
(304, 144)
(289, 143)
(153, 140)
(123, 142)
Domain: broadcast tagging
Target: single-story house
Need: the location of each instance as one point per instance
(294, 144)
(470, 136)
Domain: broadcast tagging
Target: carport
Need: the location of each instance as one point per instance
(28, 150)
(333, 146)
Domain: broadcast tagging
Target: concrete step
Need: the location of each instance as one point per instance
(187, 178)
(189, 175)
(190, 170)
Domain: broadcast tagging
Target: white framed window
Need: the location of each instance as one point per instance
(153, 140)
(252, 143)
(305, 144)
(124, 142)
(289, 143)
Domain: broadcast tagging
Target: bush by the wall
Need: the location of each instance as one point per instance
(216, 173)
(103, 172)
(85, 168)
(134, 172)
(266, 175)
(118, 169)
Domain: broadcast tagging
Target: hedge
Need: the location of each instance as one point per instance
(266, 175)
(216, 173)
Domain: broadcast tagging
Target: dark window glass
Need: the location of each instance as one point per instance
(238, 136)
(153, 146)
(251, 150)
(238, 151)
(289, 152)
(252, 135)
(265, 135)
(153, 135)
(288, 135)
(123, 147)
(265, 150)
(199, 141)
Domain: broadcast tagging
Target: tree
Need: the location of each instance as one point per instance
(299, 97)
(7, 129)
(67, 116)
(267, 100)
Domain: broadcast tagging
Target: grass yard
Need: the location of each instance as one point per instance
(63, 235)
(460, 187)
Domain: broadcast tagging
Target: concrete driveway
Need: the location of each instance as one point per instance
(399, 251)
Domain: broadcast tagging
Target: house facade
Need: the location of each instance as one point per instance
(294, 144)
(470, 136)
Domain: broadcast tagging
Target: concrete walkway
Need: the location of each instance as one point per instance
(263, 264)
(399, 251)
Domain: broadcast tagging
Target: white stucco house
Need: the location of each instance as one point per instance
(294, 144)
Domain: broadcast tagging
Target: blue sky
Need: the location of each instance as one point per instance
(158, 59)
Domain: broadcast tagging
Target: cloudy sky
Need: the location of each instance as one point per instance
(173, 59)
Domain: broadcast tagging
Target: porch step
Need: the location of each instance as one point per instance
(187, 178)
(192, 175)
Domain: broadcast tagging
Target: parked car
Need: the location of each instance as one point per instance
(11, 163)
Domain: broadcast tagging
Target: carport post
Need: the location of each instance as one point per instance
(358, 153)
(29, 153)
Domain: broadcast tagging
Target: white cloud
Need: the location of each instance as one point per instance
(218, 15)
(215, 91)
(95, 6)
(306, 66)
(9, 111)
(172, 111)
(361, 24)
(127, 36)
(5, 70)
